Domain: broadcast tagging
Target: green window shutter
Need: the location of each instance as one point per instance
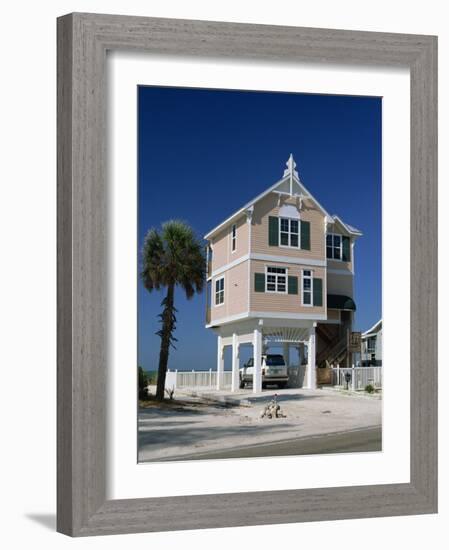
(305, 235)
(292, 285)
(346, 256)
(317, 292)
(273, 231)
(259, 282)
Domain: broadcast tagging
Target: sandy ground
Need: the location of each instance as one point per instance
(193, 425)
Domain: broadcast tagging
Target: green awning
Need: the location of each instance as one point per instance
(338, 301)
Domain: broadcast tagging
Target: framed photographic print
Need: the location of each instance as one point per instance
(247, 274)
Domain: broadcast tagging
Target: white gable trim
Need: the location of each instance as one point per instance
(375, 329)
(230, 265)
(350, 230)
(286, 179)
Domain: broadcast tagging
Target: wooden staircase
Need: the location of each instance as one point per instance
(336, 349)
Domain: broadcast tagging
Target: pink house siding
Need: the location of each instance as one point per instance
(268, 206)
(287, 303)
(222, 253)
(236, 292)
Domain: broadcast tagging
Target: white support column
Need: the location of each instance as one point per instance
(235, 363)
(257, 376)
(311, 351)
(220, 363)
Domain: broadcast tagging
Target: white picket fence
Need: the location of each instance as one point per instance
(196, 379)
(360, 377)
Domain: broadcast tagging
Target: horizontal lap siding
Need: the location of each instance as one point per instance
(236, 293)
(288, 303)
(221, 244)
(268, 206)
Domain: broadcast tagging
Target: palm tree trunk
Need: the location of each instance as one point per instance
(167, 329)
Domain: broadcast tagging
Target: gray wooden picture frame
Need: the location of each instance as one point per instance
(83, 40)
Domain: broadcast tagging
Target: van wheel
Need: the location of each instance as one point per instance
(282, 385)
(242, 384)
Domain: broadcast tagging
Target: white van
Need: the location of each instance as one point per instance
(274, 371)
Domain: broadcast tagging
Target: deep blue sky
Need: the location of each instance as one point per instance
(205, 153)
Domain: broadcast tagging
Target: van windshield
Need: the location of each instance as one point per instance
(275, 360)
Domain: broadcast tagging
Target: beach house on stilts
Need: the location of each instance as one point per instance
(281, 273)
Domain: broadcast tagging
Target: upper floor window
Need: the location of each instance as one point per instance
(233, 237)
(219, 291)
(276, 279)
(307, 287)
(289, 232)
(334, 246)
(209, 260)
(338, 247)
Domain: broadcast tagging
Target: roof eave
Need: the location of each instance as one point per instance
(373, 330)
(351, 231)
(234, 216)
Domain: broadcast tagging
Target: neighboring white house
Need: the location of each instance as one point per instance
(372, 346)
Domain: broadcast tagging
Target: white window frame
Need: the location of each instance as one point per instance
(368, 341)
(333, 247)
(289, 245)
(311, 287)
(276, 275)
(233, 238)
(219, 291)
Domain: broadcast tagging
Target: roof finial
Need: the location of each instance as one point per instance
(291, 165)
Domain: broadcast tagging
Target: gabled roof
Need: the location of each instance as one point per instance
(349, 228)
(290, 179)
(289, 184)
(374, 329)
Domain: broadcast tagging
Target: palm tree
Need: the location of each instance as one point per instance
(172, 257)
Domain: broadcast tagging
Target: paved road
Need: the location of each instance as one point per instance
(367, 439)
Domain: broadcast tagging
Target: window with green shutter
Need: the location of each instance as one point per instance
(307, 287)
(273, 231)
(338, 247)
(346, 246)
(318, 292)
(292, 285)
(305, 235)
(259, 282)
